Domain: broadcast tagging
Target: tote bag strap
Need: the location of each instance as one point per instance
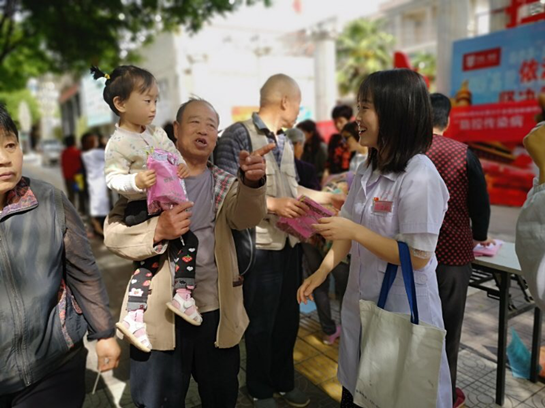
(408, 280)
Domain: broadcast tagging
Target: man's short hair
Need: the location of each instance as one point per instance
(70, 141)
(184, 105)
(440, 106)
(276, 87)
(342, 111)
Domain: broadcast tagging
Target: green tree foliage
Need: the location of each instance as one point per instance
(37, 36)
(12, 99)
(426, 64)
(362, 48)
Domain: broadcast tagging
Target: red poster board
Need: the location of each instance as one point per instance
(501, 122)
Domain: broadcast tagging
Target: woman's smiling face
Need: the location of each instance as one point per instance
(368, 124)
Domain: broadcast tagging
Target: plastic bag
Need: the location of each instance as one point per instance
(519, 357)
(169, 190)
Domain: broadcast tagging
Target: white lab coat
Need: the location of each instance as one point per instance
(419, 201)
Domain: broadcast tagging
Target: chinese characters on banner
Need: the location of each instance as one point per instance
(496, 80)
(500, 122)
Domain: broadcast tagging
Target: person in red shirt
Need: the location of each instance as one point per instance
(71, 166)
(338, 156)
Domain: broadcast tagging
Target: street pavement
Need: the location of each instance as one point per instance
(316, 363)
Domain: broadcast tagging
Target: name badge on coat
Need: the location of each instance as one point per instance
(382, 206)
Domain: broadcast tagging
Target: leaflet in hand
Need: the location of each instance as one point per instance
(302, 227)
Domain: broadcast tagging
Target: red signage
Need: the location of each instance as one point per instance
(524, 12)
(503, 122)
(490, 130)
(327, 129)
(482, 59)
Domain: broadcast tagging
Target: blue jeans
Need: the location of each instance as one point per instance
(270, 298)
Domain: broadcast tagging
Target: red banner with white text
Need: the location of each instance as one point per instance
(502, 122)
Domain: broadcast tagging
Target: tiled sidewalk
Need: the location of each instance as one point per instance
(316, 363)
(476, 364)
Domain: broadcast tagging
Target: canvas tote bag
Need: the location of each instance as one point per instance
(400, 356)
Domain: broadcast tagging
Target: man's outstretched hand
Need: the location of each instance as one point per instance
(253, 164)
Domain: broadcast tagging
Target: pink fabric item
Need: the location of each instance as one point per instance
(489, 250)
(169, 189)
(302, 227)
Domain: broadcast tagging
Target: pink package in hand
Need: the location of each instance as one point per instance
(169, 189)
(302, 227)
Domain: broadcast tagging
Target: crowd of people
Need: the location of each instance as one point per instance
(388, 174)
(83, 173)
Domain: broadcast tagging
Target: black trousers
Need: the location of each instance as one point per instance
(270, 298)
(160, 379)
(64, 387)
(347, 401)
(453, 282)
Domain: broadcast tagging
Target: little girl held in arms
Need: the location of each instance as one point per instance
(132, 93)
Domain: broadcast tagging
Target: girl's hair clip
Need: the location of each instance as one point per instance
(97, 73)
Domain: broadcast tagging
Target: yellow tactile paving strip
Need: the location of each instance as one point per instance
(315, 360)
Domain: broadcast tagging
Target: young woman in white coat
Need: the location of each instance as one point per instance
(396, 195)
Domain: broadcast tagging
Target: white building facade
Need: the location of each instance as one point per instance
(224, 65)
(431, 26)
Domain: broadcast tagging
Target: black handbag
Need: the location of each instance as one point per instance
(245, 247)
(245, 243)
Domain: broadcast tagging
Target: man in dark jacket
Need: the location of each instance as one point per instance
(51, 290)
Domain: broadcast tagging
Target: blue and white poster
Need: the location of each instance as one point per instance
(505, 66)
